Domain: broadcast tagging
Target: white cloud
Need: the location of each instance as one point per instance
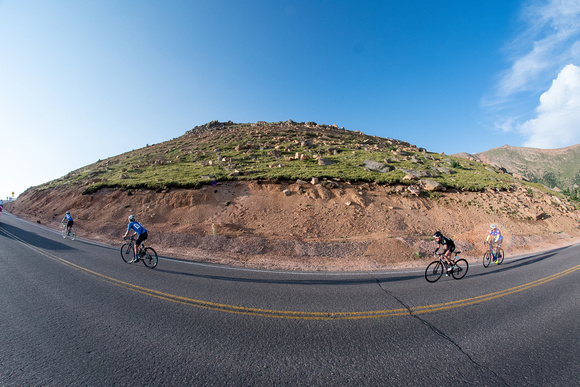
(548, 43)
(558, 116)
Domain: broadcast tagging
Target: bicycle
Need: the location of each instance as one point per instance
(496, 255)
(145, 254)
(70, 232)
(436, 268)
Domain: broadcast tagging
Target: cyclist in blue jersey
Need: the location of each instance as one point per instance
(139, 231)
(494, 237)
(68, 220)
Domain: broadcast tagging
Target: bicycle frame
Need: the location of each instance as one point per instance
(435, 269)
(145, 254)
(493, 254)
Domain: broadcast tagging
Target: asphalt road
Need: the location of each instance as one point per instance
(73, 313)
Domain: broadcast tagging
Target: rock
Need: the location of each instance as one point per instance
(286, 192)
(374, 165)
(414, 190)
(446, 171)
(323, 161)
(417, 174)
(431, 185)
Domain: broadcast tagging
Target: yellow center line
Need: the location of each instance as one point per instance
(286, 314)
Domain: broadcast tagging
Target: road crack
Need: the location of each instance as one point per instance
(440, 333)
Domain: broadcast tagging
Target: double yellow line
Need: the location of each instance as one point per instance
(284, 314)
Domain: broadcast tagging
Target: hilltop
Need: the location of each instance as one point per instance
(555, 168)
(301, 196)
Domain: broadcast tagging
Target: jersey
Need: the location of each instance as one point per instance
(447, 244)
(68, 218)
(136, 226)
(495, 235)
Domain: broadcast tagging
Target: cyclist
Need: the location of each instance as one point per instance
(494, 237)
(68, 220)
(448, 246)
(139, 230)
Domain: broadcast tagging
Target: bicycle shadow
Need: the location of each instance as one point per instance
(365, 278)
(32, 238)
(518, 263)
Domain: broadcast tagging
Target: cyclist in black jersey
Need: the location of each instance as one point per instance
(448, 247)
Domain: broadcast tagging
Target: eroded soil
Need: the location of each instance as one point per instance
(338, 227)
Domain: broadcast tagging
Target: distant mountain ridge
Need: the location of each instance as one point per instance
(555, 168)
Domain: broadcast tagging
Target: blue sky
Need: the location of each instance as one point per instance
(85, 80)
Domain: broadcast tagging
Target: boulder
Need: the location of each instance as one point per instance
(323, 161)
(431, 185)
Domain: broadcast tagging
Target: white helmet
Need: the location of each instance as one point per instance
(131, 218)
(493, 225)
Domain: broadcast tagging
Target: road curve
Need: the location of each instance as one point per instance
(73, 313)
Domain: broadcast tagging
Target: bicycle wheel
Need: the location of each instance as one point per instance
(72, 234)
(434, 271)
(499, 256)
(63, 232)
(127, 253)
(460, 269)
(486, 259)
(150, 258)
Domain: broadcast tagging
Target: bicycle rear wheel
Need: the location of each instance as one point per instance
(72, 233)
(499, 256)
(434, 271)
(486, 259)
(127, 253)
(460, 269)
(150, 258)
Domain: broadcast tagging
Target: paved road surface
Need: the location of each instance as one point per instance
(73, 313)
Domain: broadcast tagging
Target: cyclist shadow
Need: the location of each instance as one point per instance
(367, 279)
(518, 263)
(32, 238)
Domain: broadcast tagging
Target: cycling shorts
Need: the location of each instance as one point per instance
(141, 238)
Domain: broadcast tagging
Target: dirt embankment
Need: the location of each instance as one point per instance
(310, 227)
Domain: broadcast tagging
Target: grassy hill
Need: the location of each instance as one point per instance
(279, 151)
(551, 167)
(300, 196)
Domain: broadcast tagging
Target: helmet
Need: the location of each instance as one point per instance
(131, 218)
(437, 234)
(492, 225)
(68, 212)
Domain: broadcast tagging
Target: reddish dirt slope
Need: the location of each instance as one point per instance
(348, 227)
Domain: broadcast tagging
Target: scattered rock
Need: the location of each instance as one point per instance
(431, 185)
(324, 161)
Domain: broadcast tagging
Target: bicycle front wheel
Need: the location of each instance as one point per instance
(64, 232)
(499, 256)
(434, 271)
(486, 259)
(127, 253)
(150, 258)
(460, 269)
